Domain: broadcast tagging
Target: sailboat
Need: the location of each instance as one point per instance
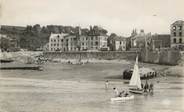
(135, 81)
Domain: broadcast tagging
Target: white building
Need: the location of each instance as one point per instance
(70, 43)
(103, 42)
(56, 42)
(120, 44)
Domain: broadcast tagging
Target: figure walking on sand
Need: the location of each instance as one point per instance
(106, 84)
(116, 92)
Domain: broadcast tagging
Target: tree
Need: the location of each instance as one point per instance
(111, 41)
(4, 44)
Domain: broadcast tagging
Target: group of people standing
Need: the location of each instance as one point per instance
(147, 87)
(123, 93)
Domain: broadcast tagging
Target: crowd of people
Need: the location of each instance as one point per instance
(146, 88)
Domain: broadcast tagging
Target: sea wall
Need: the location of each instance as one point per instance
(167, 57)
(106, 55)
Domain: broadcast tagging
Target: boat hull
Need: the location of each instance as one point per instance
(122, 98)
(5, 61)
(136, 91)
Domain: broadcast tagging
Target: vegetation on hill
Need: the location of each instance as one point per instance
(36, 36)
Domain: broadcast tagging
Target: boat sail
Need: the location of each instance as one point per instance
(135, 81)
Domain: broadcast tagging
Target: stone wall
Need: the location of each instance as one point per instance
(168, 57)
(106, 55)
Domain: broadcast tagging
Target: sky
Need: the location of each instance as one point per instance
(117, 16)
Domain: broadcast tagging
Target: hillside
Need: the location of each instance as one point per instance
(36, 36)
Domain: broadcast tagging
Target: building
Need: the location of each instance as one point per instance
(70, 43)
(137, 40)
(160, 41)
(57, 42)
(120, 44)
(93, 41)
(177, 35)
(78, 42)
(84, 42)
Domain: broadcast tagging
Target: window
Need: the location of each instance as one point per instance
(96, 43)
(180, 27)
(180, 34)
(174, 33)
(174, 40)
(180, 41)
(120, 42)
(174, 27)
(61, 40)
(91, 38)
(96, 38)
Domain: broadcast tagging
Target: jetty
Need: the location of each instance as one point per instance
(18, 66)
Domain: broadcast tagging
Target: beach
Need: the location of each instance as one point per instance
(81, 88)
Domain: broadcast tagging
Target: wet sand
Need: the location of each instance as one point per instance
(81, 88)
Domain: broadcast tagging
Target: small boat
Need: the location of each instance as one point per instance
(136, 91)
(6, 60)
(135, 81)
(123, 98)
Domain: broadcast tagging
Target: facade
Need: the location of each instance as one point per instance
(84, 42)
(177, 35)
(117, 43)
(56, 42)
(160, 41)
(137, 40)
(77, 42)
(93, 42)
(70, 43)
(103, 42)
(120, 44)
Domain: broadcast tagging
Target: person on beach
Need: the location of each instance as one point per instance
(106, 84)
(116, 92)
(126, 93)
(146, 86)
(142, 85)
(151, 87)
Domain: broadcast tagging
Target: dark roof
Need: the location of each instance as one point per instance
(158, 36)
(119, 38)
(178, 22)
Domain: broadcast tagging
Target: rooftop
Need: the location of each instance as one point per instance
(178, 22)
(58, 35)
